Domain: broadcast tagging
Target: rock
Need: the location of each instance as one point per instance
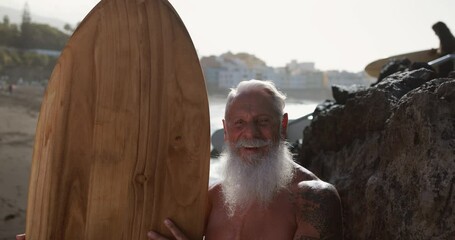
(342, 93)
(451, 74)
(324, 107)
(397, 65)
(398, 84)
(417, 65)
(390, 152)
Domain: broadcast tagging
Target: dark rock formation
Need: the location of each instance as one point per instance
(390, 152)
(393, 67)
(342, 93)
(401, 65)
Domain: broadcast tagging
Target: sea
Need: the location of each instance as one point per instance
(294, 107)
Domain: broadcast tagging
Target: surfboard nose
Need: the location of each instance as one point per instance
(123, 139)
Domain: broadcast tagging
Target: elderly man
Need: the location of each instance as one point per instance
(263, 193)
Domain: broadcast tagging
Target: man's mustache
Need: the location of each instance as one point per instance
(252, 143)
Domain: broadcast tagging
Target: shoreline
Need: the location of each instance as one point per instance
(18, 115)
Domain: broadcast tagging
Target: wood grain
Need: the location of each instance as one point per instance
(123, 138)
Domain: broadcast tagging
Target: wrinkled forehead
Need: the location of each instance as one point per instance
(254, 102)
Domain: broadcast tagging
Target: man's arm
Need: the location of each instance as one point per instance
(319, 214)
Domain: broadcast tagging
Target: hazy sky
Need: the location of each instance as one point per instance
(334, 34)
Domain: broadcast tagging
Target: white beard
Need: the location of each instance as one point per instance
(247, 180)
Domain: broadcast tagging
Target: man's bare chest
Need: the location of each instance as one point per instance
(273, 222)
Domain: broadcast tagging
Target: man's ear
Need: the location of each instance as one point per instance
(224, 130)
(284, 126)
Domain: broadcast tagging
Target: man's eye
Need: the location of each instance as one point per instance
(264, 121)
(238, 122)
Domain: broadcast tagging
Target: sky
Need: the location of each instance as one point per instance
(334, 34)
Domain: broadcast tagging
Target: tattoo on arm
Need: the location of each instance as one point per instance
(321, 208)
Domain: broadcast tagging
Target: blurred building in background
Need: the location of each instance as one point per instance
(296, 79)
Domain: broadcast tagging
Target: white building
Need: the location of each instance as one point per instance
(228, 72)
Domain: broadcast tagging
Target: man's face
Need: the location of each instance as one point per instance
(252, 125)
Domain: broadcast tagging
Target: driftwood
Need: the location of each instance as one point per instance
(123, 138)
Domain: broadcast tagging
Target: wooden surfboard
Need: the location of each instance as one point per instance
(374, 68)
(123, 136)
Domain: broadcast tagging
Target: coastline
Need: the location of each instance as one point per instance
(18, 117)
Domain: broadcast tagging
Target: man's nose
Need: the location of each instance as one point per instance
(252, 130)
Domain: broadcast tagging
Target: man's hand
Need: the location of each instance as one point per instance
(20, 237)
(172, 227)
(152, 235)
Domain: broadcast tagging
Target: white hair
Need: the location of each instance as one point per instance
(258, 85)
(258, 181)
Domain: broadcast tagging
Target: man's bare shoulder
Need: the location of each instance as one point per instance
(305, 180)
(308, 187)
(303, 174)
(318, 205)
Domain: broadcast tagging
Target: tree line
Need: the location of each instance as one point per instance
(18, 44)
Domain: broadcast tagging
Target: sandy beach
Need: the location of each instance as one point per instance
(18, 117)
